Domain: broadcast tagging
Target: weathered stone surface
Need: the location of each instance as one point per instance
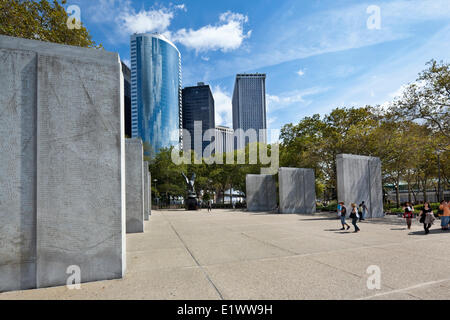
(359, 179)
(261, 192)
(135, 185)
(17, 169)
(61, 128)
(146, 192)
(297, 190)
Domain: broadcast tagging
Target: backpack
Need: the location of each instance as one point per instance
(343, 211)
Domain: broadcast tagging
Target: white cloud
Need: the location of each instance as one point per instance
(146, 21)
(226, 36)
(300, 72)
(223, 107)
(181, 7)
(277, 102)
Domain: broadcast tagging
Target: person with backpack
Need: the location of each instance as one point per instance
(362, 211)
(355, 216)
(408, 214)
(343, 215)
(339, 209)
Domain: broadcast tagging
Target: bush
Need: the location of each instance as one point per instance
(434, 206)
(329, 208)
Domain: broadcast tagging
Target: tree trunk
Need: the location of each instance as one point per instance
(409, 192)
(397, 191)
(231, 195)
(425, 198)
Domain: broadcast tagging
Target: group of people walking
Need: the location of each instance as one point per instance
(356, 213)
(426, 215)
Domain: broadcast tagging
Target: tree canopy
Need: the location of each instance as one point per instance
(42, 20)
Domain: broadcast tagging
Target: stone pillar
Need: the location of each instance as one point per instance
(135, 185)
(359, 179)
(261, 192)
(61, 137)
(297, 190)
(146, 192)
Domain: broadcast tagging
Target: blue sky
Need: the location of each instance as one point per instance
(317, 54)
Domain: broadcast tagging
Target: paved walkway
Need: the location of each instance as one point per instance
(236, 255)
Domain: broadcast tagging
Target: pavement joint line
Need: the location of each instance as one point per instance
(417, 286)
(268, 243)
(198, 264)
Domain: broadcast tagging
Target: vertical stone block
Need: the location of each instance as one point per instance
(62, 111)
(79, 189)
(297, 190)
(261, 192)
(359, 179)
(18, 71)
(146, 192)
(135, 185)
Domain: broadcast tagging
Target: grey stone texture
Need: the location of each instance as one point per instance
(297, 190)
(135, 185)
(146, 192)
(261, 192)
(62, 195)
(359, 179)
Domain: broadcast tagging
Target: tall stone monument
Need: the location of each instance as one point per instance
(135, 185)
(297, 190)
(359, 179)
(62, 190)
(147, 203)
(261, 192)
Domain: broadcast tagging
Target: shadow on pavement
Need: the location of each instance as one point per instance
(432, 231)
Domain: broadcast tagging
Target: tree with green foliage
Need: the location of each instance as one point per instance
(42, 20)
(428, 99)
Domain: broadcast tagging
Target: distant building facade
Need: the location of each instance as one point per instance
(249, 107)
(155, 91)
(197, 106)
(224, 140)
(127, 98)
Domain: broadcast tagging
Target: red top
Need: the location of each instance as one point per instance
(408, 213)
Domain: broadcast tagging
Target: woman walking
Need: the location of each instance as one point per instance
(408, 214)
(355, 216)
(427, 217)
(343, 214)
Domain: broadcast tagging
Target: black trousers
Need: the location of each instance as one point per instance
(354, 221)
(426, 227)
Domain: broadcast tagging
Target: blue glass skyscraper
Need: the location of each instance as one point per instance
(155, 91)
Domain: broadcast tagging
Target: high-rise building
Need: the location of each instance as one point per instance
(224, 140)
(127, 98)
(249, 107)
(198, 105)
(155, 91)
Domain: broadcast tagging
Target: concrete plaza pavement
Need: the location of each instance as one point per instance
(238, 255)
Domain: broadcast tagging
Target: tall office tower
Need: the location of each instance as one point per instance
(249, 106)
(127, 96)
(198, 105)
(155, 91)
(224, 140)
